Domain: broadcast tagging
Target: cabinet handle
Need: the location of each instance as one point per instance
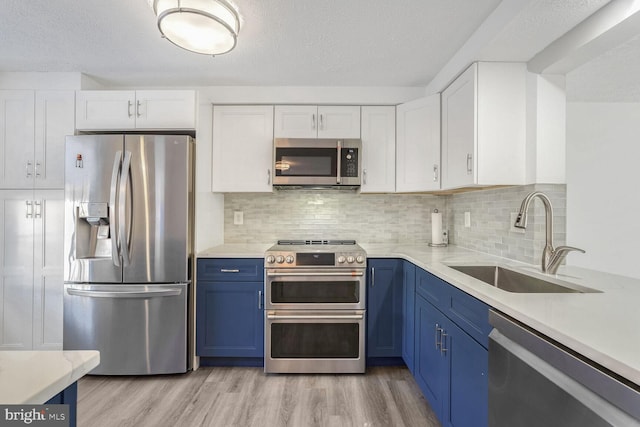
(28, 169)
(435, 173)
(29, 209)
(443, 341)
(469, 164)
(313, 121)
(38, 204)
(321, 121)
(229, 270)
(259, 300)
(373, 276)
(129, 105)
(36, 169)
(138, 108)
(364, 176)
(268, 176)
(436, 334)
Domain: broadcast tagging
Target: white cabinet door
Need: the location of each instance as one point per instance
(338, 121)
(311, 121)
(296, 121)
(54, 120)
(105, 110)
(16, 269)
(459, 130)
(418, 145)
(47, 269)
(16, 138)
(378, 149)
(484, 126)
(165, 109)
(242, 152)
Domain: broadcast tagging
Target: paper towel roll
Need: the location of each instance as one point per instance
(436, 228)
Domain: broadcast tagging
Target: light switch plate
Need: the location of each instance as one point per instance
(467, 219)
(238, 218)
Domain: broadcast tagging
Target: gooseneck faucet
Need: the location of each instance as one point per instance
(551, 257)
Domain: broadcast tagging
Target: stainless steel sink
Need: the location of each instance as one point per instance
(513, 281)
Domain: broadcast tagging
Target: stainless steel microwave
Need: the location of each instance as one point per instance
(333, 163)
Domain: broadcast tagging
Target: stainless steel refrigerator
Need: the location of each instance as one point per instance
(128, 250)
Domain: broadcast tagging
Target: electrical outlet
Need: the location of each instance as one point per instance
(238, 218)
(512, 220)
(467, 219)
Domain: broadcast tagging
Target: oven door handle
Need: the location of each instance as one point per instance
(334, 274)
(273, 316)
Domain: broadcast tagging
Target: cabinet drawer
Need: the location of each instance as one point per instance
(231, 269)
(470, 314)
(433, 289)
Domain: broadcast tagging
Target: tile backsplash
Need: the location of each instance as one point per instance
(398, 218)
(330, 214)
(491, 213)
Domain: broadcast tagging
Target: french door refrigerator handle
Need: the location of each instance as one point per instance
(124, 228)
(115, 252)
(125, 294)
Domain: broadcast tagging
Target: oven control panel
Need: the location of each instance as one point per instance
(315, 259)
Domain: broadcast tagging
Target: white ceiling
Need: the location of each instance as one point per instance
(281, 42)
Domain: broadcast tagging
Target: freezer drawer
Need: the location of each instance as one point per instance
(138, 329)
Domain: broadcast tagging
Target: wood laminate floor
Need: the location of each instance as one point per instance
(384, 396)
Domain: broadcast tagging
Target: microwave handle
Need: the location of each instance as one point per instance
(339, 147)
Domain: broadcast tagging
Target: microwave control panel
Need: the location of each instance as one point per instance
(349, 163)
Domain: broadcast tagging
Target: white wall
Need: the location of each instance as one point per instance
(603, 178)
(546, 123)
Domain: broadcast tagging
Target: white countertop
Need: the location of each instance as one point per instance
(602, 326)
(33, 377)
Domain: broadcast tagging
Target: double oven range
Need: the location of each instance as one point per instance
(315, 307)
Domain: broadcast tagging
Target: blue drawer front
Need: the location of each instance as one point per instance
(433, 289)
(470, 314)
(231, 270)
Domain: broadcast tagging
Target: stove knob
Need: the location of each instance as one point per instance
(289, 259)
(350, 259)
(341, 259)
(270, 259)
(360, 259)
(279, 259)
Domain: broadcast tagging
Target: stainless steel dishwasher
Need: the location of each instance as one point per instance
(534, 381)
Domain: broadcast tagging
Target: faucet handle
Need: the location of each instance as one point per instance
(558, 255)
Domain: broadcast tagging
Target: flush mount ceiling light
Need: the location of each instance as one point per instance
(209, 27)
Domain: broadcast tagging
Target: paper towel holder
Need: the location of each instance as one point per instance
(445, 234)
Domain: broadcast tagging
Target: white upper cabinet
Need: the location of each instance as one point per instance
(484, 126)
(16, 138)
(378, 149)
(310, 121)
(141, 109)
(33, 127)
(54, 120)
(242, 152)
(418, 145)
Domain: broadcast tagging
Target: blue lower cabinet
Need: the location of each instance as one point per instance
(229, 319)
(451, 368)
(469, 382)
(68, 396)
(408, 313)
(430, 369)
(384, 309)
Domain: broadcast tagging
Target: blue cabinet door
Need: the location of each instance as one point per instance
(384, 308)
(468, 392)
(229, 319)
(430, 365)
(408, 313)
